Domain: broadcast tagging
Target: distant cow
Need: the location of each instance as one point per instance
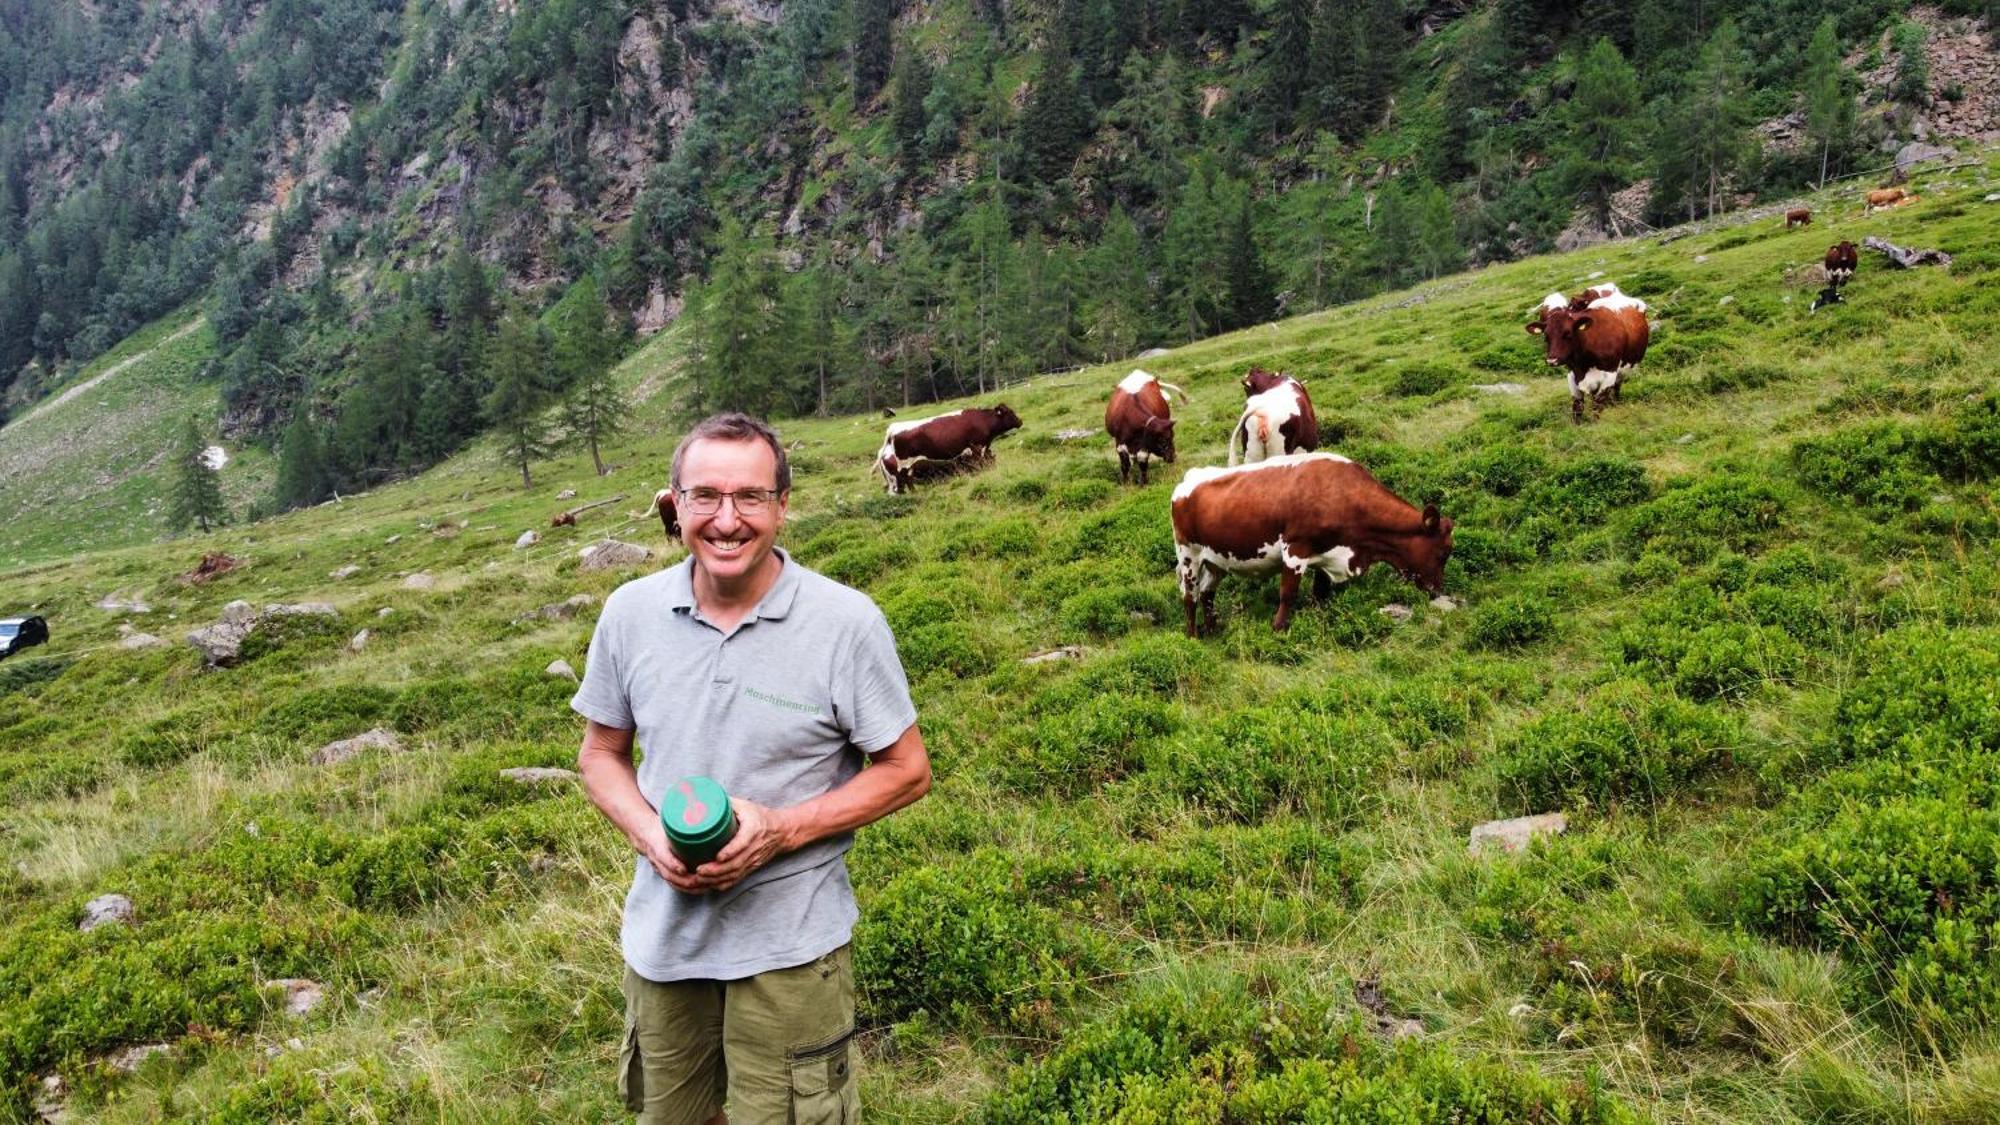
(1597, 336)
(1798, 217)
(563, 519)
(1141, 423)
(1277, 418)
(663, 503)
(1294, 513)
(947, 437)
(1841, 260)
(1886, 197)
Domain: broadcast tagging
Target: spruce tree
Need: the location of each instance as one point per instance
(1056, 122)
(197, 494)
(1716, 115)
(1114, 312)
(1288, 63)
(302, 473)
(1829, 104)
(519, 400)
(1250, 297)
(1194, 253)
(740, 325)
(1600, 134)
(873, 22)
(908, 118)
(593, 405)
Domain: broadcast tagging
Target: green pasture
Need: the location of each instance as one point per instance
(1744, 631)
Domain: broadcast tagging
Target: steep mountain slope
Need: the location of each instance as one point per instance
(1741, 631)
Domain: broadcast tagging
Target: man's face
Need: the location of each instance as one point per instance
(727, 544)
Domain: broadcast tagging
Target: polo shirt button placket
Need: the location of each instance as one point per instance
(722, 676)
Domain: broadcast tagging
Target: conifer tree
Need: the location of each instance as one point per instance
(1114, 312)
(1600, 131)
(873, 22)
(1715, 116)
(1194, 252)
(1056, 121)
(593, 405)
(302, 472)
(519, 400)
(197, 494)
(740, 325)
(1250, 297)
(1829, 104)
(908, 118)
(1288, 65)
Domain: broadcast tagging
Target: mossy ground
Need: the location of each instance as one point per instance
(1669, 631)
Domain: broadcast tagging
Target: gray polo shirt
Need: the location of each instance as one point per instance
(779, 710)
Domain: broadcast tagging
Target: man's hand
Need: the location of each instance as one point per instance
(761, 836)
(652, 843)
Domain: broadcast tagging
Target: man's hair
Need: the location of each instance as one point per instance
(734, 426)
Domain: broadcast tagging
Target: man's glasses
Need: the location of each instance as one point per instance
(748, 501)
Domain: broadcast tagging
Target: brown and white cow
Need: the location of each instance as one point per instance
(1598, 336)
(1841, 260)
(947, 437)
(1277, 418)
(1293, 513)
(1141, 422)
(1798, 217)
(1886, 197)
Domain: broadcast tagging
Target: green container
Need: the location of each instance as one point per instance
(698, 819)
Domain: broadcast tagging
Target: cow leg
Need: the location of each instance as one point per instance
(1208, 603)
(1288, 596)
(1125, 467)
(1143, 462)
(1322, 585)
(1576, 406)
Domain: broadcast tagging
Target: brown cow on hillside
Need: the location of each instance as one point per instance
(1886, 197)
(1598, 336)
(947, 437)
(1141, 423)
(1294, 513)
(1798, 217)
(1277, 418)
(1841, 260)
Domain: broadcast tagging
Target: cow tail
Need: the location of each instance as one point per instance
(1241, 431)
(1175, 390)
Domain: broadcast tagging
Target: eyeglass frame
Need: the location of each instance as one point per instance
(763, 498)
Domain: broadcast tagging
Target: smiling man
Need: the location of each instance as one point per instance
(741, 665)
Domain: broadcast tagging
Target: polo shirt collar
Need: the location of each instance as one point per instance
(776, 603)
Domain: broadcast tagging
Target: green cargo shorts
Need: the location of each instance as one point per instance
(777, 1047)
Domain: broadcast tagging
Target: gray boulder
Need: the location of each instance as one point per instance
(561, 670)
(139, 640)
(345, 572)
(334, 753)
(301, 995)
(610, 554)
(129, 1060)
(528, 539)
(1514, 835)
(106, 910)
(419, 581)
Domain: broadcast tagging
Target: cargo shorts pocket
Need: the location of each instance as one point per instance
(824, 1089)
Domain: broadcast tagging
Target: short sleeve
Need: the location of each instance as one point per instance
(601, 696)
(871, 692)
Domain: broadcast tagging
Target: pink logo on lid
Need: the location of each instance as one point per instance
(695, 812)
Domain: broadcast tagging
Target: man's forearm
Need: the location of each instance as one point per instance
(612, 783)
(897, 777)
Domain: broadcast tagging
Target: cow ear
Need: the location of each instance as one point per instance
(1430, 517)
(1535, 329)
(1582, 323)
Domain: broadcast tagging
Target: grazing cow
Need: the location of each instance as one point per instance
(1141, 423)
(563, 519)
(663, 503)
(1798, 217)
(947, 437)
(1294, 513)
(1277, 418)
(1598, 336)
(1886, 197)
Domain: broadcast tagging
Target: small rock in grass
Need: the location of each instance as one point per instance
(301, 995)
(345, 572)
(359, 642)
(528, 539)
(1513, 835)
(536, 775)
(1445, 602)
(334, 753)
(132, 1058)
(419, 581)
(106, 910)
(140, 640)
(561, 670)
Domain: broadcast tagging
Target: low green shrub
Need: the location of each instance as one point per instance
(1503, 470)
(961, 941)
(1878, 464)
(1728, 659)
(1627, 744)
(1512, 622)
(1692, 520)
(1077, 495)
(1749, 375)
(1413, 380)
(1113, 611)
(1924, 693)
(862, 563)
(947, 648)
(1588, 491)
(1100, 740)
(1252, 763)
(323, 713)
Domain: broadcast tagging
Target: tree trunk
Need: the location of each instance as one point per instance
(525, 482)
(594, 458)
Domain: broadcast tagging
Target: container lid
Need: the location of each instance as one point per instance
(696, 811)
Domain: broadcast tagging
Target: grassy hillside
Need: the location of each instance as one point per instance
(1743, 630)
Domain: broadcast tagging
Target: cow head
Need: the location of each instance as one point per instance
(1004, 419)
(669, 518)
(1257, 380)
(1562, 332)
(1427, 551)
(1160, 437)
